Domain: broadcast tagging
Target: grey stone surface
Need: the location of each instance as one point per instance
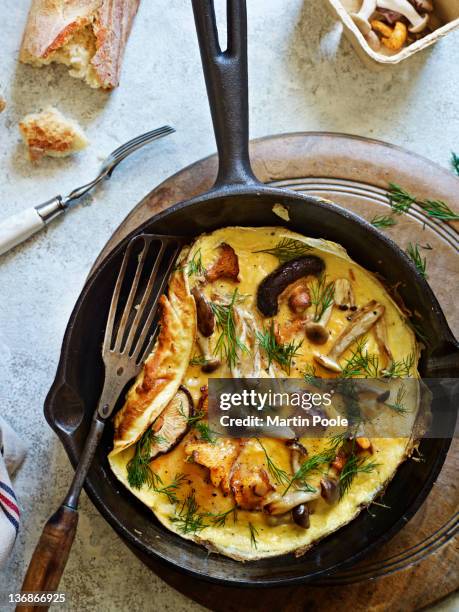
(302, 77)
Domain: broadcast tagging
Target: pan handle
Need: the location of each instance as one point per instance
(227, 88)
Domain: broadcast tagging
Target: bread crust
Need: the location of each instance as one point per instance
(53, 24)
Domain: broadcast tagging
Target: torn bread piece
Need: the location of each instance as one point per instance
(88, 36)
(50, 133)
(2, 103)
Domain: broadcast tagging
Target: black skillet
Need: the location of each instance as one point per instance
(237, 198)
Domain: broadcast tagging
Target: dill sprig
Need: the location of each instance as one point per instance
(219, 519)
(170, 490)
(382, 221)
(455, 162)
(353, 466)
(287, 249)
(139, 471)
(401, 368)
(308, 467)
(253, 535)
(228, 344)
(322, 295)
(399, 406)
(420, 262)
(361, 362)
(279, 475)
(205, 432)
(438, 210)
(283, 354)
(401, 202)
(190, 519)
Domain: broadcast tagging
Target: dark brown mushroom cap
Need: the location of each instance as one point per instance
(300, 515)
(329, 488)
(205, 316)
(172, 424)
(275, 283)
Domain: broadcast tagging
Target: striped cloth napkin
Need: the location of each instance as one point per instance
(12, 453)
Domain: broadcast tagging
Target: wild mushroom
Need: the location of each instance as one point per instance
(380, 331)
(299, 299)
(330, 489)
(300, 515)
(172, 424)
(362, 18)
(226, 266)
(211, 362)
(284, 275)
(392, 38)
(365, 318)
(344, 295)
(284, 503)
(418, 22)
(316, 331)
(298, 454)
(205, 315)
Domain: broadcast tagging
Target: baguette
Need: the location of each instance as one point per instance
(50, 133)
(88, 36)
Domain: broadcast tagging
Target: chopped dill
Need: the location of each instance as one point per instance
(309, 466)
(399, 406)
(205, 432)
(353, 466)
(228, 344)
(382, 221)
(170, 490)
(322, 295)
(253, 535)
(219, 519)
(190, 519)
(287, 249)
(279, 475)
(283, 354)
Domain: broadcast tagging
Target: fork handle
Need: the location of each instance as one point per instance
(23, 225)
(50, 556)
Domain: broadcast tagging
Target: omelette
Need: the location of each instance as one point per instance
(264, 302)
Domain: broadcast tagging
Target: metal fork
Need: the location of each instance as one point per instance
(21, 226)
(127, 342)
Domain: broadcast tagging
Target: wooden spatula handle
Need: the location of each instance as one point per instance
(50, 557)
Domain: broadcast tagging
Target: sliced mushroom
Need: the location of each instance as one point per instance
(365, 318)
(330, 489)
(172, 424)
(300, 515)
(275, 283)
(418, 22)
(211, 361)
(283, 503)
(316, 331)
(226, 266)
(380, 331)
(362, 18)
(298, 454)
(344, 295)
(204, 313)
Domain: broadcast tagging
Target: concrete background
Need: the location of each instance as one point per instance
(302, 77)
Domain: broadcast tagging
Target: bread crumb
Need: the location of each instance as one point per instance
(2, 104)
(281, 211)
(50, 133)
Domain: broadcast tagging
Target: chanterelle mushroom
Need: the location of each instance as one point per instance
(359, 325)
(226, 266)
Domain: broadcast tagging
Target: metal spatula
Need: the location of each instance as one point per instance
(129, 337)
